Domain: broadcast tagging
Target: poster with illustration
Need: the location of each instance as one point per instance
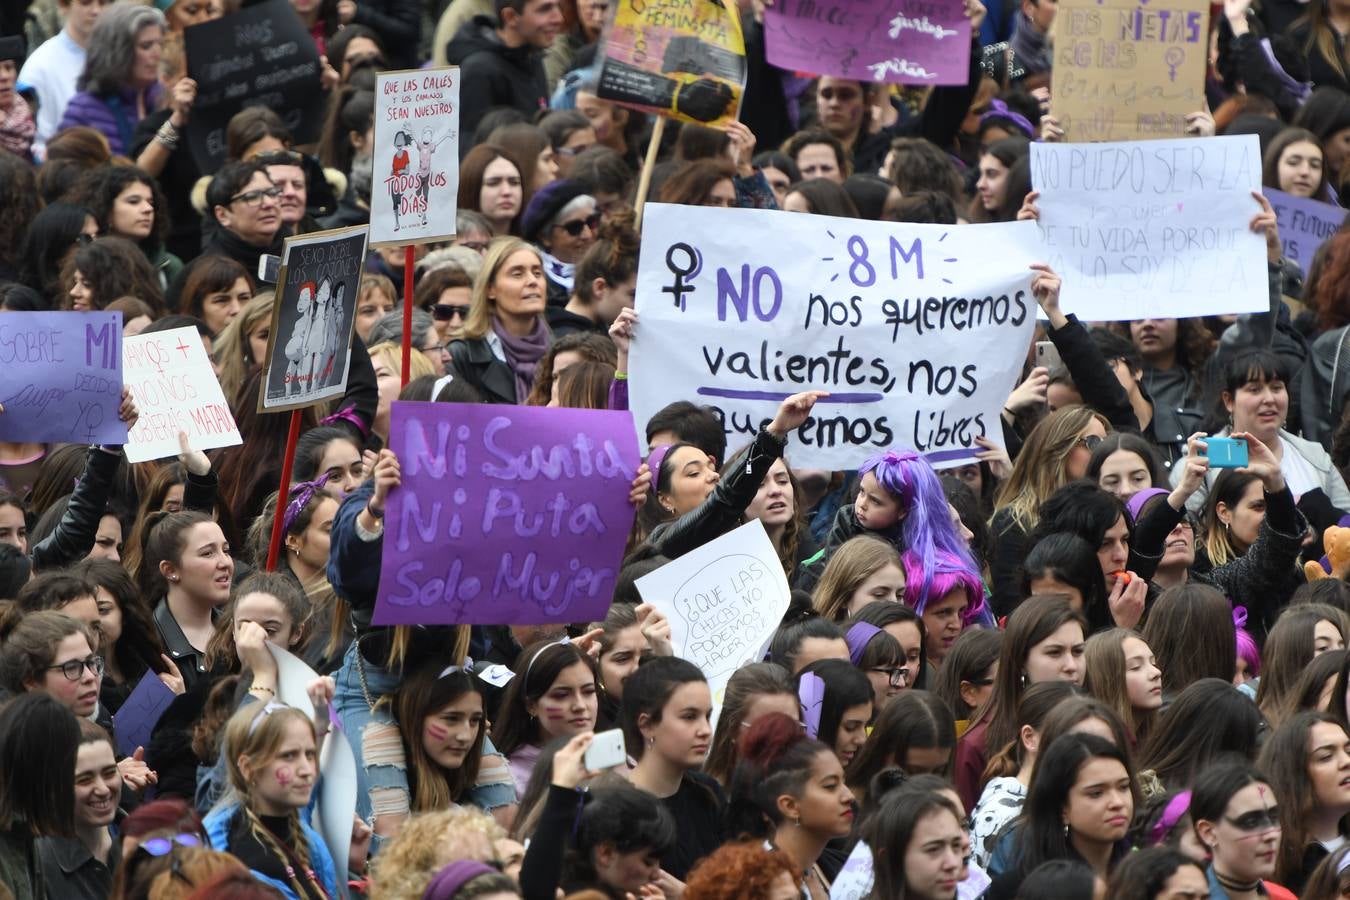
(412, 200)
(684, 59)
(312, 320)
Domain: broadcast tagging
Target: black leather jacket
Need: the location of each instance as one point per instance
(725, 507)
(73, 537)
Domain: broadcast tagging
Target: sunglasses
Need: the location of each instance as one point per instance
(1089, 442)
(444, 312)
(574, 228)
(162, 846)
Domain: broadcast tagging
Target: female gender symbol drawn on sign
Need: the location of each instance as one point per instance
(693, 265)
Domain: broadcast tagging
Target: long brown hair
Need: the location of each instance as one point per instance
(424, 693)
(746, 683)
(1042, 466)
(1284, 759)
(1032, 622)
(1104, 678)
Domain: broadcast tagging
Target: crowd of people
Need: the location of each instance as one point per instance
(1086, 664)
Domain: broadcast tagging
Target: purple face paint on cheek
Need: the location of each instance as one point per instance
(437, 732)
(284, 776)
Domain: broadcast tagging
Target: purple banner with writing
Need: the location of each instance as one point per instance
(506, 515)
(136, 719)
(908, 42)
(61, 377)
(1304, 224)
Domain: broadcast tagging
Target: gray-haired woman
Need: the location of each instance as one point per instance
(120, 82)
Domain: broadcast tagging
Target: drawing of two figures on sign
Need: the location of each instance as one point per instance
(409, 190)
(313, 345)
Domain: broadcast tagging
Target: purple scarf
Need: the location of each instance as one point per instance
(523, 353)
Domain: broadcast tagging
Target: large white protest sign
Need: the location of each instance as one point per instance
(416, 184)
(723, 600)
(175, 389)
(918, 332)
(1153, 230)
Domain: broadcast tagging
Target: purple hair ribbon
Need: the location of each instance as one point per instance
(300, 495)
(894, 457)
(1239, 617)
(858, 637)
(999, 110)
(347, 414)
(1176, 808)
(811, 696)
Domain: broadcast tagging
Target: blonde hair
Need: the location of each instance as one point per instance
(482, 310)
(857, 560)
(426, 843)
(257, 732)
(1042, 465)
(232, 352)
(391, 355)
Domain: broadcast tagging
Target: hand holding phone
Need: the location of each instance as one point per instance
(1226, 452)
(606, 751)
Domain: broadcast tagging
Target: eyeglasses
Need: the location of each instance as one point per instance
(1089, 442)
(74, 668)
(84, 239)
(897, 676)
(1258, 820)
(255, 198)
(573, 151)
(842, 94)
(575, 227)
(162, 846)
(444, 312)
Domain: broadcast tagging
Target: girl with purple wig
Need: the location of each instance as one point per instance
(900, 500)
(946, 591)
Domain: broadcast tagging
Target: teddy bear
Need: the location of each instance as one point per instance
(1336, 541)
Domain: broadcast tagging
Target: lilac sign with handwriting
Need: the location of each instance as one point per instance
(908, 42)
(61, 377)
(136, 719)
(506, 515)
(1305, 224)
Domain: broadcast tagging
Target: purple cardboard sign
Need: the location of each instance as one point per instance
(909, 42)
(136, 720)
(61, 377)
(1304, 224)
(506, 515)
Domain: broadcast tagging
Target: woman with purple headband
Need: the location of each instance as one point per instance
(690, 503)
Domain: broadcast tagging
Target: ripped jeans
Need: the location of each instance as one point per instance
(381, 764)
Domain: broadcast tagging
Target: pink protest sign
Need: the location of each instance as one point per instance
(908, 42)
(505, 514)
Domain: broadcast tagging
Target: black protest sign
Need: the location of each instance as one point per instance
(260, 56)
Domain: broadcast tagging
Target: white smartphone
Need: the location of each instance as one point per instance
(1048, 355)
(606, 751)
(269, 266)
